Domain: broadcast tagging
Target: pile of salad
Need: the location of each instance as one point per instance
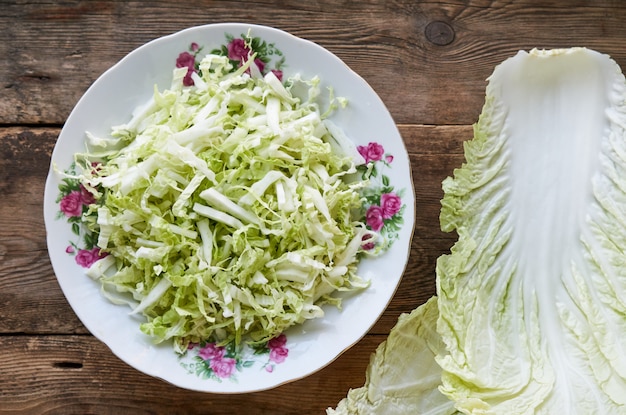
(226, 208)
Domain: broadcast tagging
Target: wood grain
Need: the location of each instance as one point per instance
(54, 51)
(427, 60)
(29, 291)
(79, 375)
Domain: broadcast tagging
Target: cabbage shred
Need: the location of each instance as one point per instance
(226, 210)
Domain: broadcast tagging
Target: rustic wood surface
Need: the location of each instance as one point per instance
(428, 61)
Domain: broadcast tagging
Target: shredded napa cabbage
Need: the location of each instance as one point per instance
(227, 207)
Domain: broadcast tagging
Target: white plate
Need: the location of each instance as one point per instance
(309, 347)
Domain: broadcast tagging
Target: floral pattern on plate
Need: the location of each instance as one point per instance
(210, 361)
(383, 207)
(382, 213)
(74, 201)
(238, 50)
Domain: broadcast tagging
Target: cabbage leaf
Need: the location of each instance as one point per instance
(397, 385)
(531, 300)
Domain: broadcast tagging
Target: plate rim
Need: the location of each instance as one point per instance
(224, 27)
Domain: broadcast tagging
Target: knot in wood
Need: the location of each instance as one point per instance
(439, 33)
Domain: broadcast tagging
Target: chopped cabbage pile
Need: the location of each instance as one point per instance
(227, 209)
(530, 313)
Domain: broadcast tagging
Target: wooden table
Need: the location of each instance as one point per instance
(428, 61)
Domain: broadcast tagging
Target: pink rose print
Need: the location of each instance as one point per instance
(383, 205)
(371, 152)
(72, 204)
(219, 362)
(211, 351)
(187, 60)
(374, 218)
(279, 74)
(86, 197)
(260, 64)
(279, 341)
(95, 166)
(278, 351)
(86, 257)
(278, 354)
(237, 50)
(69, 249)
(390, 204)
(368, 246)
(223, 367)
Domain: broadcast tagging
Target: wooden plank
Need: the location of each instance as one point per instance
(78, 375)
(427, 60)
(29, 286)
(30, 298)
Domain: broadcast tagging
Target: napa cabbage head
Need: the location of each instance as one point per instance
(531, 300)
